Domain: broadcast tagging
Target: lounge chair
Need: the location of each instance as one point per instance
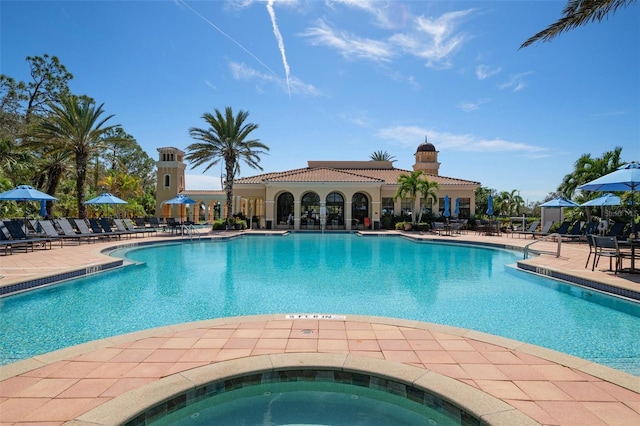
(96, 230)
(130, 225)
(49, 229)
(7, 244)
(529, 231)
(616, 230)
(120, 227)
(68, 229)
(545, 229)
(17, 234)
(575, 233)
(106, 226)
(154, 222)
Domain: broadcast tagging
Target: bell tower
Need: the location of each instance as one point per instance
(170, 177)
(427, 158)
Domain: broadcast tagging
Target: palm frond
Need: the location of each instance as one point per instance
(577, 13)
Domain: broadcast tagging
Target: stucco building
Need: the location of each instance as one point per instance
(341, 195)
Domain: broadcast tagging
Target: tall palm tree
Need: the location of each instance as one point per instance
(226, 140)
(577, 13)
(409, 186)
(74, 125)
(382, 156)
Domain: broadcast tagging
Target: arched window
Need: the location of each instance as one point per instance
(335, 209)
(310, 209)
(167, 181)
(359, 207)
(284, 207)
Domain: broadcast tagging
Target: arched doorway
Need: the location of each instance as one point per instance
(360, 210)
(284, 208)
(310, 206)
(335, 211)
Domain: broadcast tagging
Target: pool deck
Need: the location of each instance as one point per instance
(502, 381)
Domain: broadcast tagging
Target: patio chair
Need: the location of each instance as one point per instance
(529, 231)
(575, 233)
(106, 226)
(7, 244)
(139, 226)
(592, 249)
(545, 229)
(121, 227)
(616, 230)
(67, 229)
(17, 234)
(95, 229)
(49, 229)
(607, 247)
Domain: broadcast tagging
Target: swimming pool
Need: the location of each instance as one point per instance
(469, 287)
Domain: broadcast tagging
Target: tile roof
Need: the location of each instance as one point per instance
(328, 174)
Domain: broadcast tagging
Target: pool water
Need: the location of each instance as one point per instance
(307, 403)
(344, 274)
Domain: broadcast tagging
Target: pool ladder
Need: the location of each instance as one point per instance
(557, 236)
(189, 230)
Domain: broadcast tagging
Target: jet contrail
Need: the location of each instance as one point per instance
(235, 42)
(276, 32)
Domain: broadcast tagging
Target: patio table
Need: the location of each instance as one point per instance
(630, 244)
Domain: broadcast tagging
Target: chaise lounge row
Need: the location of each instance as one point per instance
(28, 235)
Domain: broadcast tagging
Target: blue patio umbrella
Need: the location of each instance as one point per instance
(560, 202)
(604, 200)
(447, 206)
(456, 211)
(105, 199)
(43, 208)
(490, 205)
(180, 199)
(25, 193)
(626, 178)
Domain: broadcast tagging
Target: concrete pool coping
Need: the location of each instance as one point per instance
(544, 385)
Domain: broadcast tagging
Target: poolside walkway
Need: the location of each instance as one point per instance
(500, 380)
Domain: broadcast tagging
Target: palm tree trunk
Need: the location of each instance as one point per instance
(229, 166)
(53, 179)
(81, 175)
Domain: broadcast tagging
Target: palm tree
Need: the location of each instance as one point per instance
(428, 190)
(587, 169)
(409, 186)
(382, 156)
(226, 140)
(74, 126)
(577, 13)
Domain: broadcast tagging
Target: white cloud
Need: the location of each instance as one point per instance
(485, 71)
(348, 45)
(241, 71)
(468, 106)
(516, 82)
(434, 39)
(408, 135)
(211, 85)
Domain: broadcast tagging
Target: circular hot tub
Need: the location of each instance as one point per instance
(306, 397)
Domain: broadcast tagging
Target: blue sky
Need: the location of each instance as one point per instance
(338, 80)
